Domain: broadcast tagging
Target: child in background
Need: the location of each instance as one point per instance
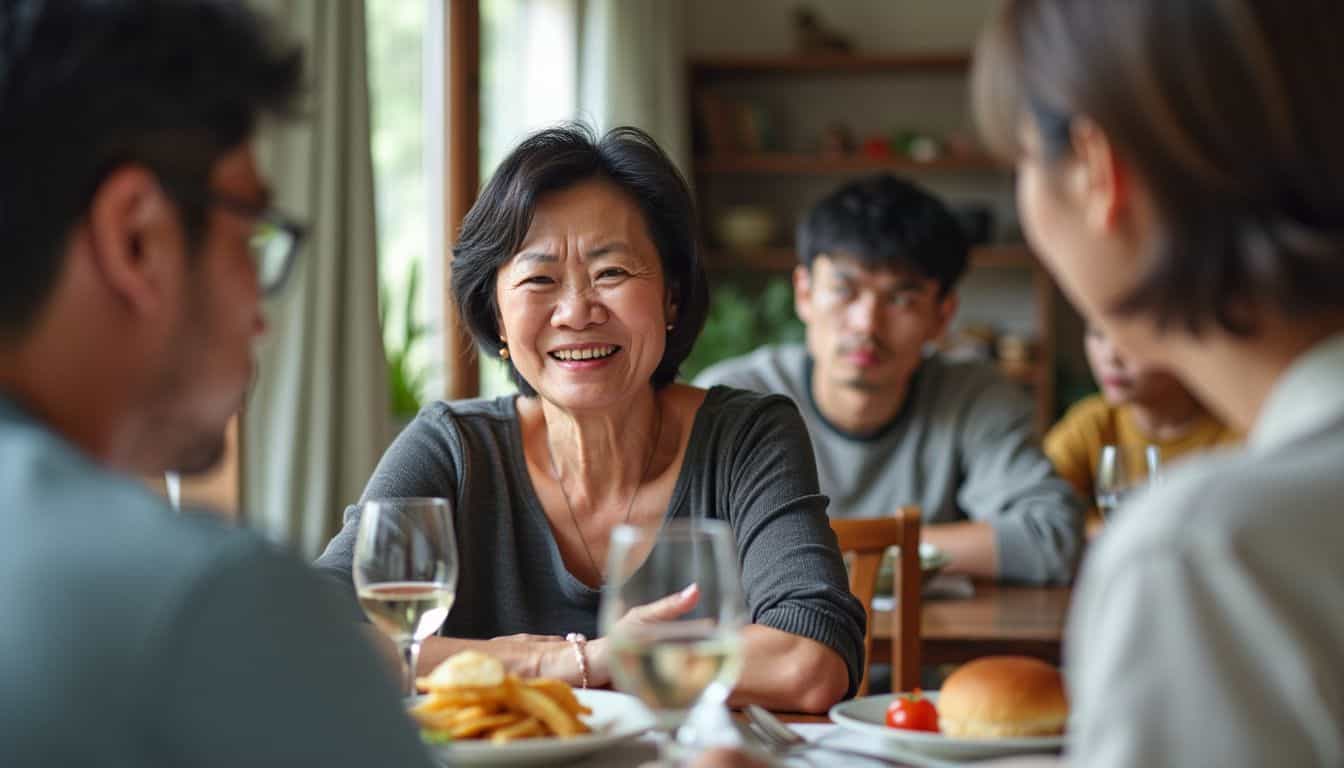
(1137, 407)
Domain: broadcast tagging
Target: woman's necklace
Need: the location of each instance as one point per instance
(648, 462)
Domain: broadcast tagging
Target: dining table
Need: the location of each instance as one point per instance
(960, 620)
(963, 621)
(643, 752)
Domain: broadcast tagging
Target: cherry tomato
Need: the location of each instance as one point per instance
(912, 712)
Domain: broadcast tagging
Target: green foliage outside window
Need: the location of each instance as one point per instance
(405, 378)
(395, 40)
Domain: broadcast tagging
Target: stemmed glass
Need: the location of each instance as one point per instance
(1115, 480)
(694, 659)
(405, 570)
(172, 481)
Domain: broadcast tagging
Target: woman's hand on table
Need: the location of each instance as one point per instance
(529, 655)
(666, 609)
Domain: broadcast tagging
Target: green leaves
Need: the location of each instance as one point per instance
(435, 737)
(743, 318)
(405, 380)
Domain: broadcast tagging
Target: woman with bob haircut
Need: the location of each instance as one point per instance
(1180, 171)
(578, 267)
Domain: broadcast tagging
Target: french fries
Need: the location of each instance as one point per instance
(471, 697)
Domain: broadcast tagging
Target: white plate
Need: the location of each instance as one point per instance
(868, 716)
(932, 560)
(616, 717)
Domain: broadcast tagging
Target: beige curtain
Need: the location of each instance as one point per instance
(316, 422)
(632, 70)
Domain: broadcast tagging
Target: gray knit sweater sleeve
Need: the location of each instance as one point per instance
(766, 487)
(422, 462)
(1009, 483)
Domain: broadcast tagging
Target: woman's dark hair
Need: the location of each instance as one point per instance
(886, 222)
(559, 158)
(87, 86)
(1230, 111)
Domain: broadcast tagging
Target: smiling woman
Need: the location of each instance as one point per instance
(584, 307)
(578, 266)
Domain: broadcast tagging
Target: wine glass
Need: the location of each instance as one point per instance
(689, 661)
(1113, 482)
(1116, 480)
(1152, 456)
(405, 570)
(172, 482)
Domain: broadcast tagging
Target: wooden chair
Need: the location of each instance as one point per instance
(865, 542)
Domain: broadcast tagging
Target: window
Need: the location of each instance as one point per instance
(405, 64)
(529, 80)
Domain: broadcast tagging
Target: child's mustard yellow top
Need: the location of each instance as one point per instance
(1074, 444)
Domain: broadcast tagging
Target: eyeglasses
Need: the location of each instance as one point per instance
(274, 241)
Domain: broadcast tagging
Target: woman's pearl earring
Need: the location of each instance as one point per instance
(504, 349)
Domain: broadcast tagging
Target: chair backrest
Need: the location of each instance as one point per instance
(864, 542)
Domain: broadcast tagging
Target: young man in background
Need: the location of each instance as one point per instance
(892, 425)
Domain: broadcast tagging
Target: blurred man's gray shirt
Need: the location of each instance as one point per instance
(132, 636)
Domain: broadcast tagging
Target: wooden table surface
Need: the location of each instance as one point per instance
(999, 619)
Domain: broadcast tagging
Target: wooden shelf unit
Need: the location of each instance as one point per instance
(930, 62)
(783, 258)
(802, 164)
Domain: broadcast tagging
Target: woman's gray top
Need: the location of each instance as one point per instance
(749, 462)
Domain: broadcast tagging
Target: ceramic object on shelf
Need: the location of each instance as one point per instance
(745, 226)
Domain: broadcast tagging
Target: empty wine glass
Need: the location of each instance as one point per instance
(405, 570)
(676, 665)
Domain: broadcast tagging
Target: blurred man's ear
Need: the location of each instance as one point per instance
(1099, 179)
(135, 239)
(802, 292)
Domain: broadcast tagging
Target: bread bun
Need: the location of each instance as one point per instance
(1000, 697)
(465, 669)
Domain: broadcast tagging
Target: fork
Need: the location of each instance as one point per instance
(781, 738)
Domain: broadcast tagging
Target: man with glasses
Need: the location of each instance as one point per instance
(137, 244)
(274, 241)
(892, 425)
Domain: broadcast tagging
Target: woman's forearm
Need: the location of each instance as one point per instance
(780, 670)
(787, 672)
